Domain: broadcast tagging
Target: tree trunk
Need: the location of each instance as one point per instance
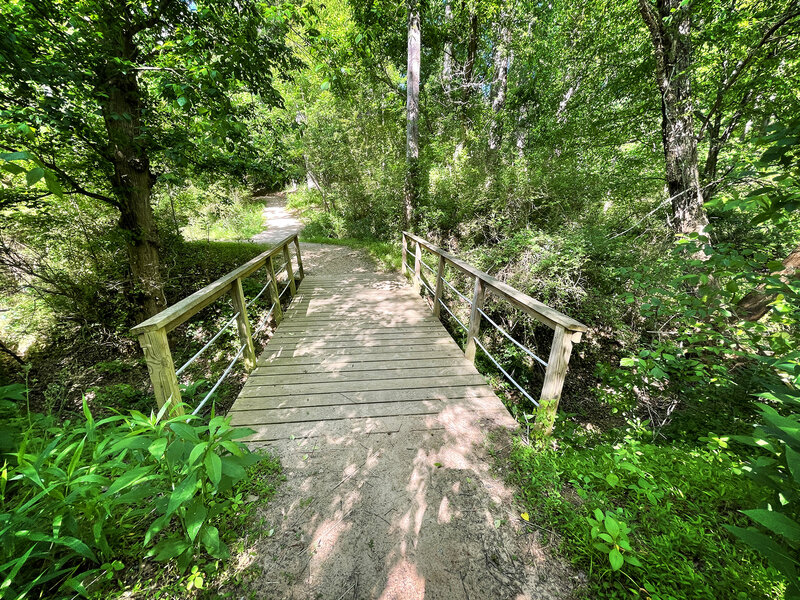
(472, 52)
(756, 303)
(411, 192)
(670, 24)
(133, 182)
(500, 87)
(447, 61)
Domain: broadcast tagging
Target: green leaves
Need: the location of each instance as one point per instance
(80, 493)
(611, 538)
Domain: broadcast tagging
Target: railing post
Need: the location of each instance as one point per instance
(553, 380)
(243, 324)
(403, 267)
(299, 258)
(161, 368)
(287, 257)
(474, 318)
(418, 268)
(437, 308)
(273, 288)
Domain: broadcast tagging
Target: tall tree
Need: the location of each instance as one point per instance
(412, 186)
(669, 23)
(104, 93)
(502, 57)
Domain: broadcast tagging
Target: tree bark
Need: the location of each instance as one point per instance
(472, 52)
(500, 87)
(755, 304)
(670, 26)
(447, 60)
(133, 182)
(411, 192)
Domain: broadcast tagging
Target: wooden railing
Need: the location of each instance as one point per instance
(152, 333)
(566, 331)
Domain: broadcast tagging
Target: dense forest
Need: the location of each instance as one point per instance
(633, 164)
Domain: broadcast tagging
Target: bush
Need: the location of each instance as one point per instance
(78, 498)
(645, 520)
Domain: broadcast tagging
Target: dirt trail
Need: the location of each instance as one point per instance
(405, 515)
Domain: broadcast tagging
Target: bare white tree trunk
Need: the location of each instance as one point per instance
(411, 194)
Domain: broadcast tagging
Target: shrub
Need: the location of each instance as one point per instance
(645, 520)
(76, 498)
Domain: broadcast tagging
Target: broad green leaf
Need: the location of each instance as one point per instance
(196, 514)
(182, 493)
(612, 526)
(132, 477)
(158, 447)
(169, 548)
(793, 461)
(185, 432)
(616, 560)
(34, 175)
(213, 465)
(232, 468)
(779, 557)
(776, 522)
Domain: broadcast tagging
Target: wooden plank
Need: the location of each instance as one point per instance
(273, 290)
(353, 340)
(474, 327)
(369, 355)
(354, 348)
(361, 327)
(243, 324)
(289, 273)
(263, 377)
(437, 307)
(347, 334)
(161, 368)
(334, 368)
(404, 253)
(553, 380)
(373, 397)
(364, 410)
(252, 389)
(174, 315)
(269, 433)
(536, 309)
(299, 257)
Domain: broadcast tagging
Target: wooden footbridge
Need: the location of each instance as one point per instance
(364, 353)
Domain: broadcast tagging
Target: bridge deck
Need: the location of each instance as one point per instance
(361, 354)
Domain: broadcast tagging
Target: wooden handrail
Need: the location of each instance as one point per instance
(181, 311)
(539, 311)
(152, 333)
(566, 329)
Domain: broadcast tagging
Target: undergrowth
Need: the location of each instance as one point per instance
(643, 520)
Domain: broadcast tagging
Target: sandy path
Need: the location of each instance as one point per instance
(405, 515)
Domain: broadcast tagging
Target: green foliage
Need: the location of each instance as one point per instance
(645, 520)
(79, 497)
(775, 467)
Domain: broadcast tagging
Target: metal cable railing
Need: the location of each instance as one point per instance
(258, 295)
(506, 373)
(463, 297)
(424, 264)
(452, 315)
(566, 331)
(204, 348)
(222, 377)
(505, 333)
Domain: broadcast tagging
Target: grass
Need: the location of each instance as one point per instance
(236, 222)
(674, 499)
